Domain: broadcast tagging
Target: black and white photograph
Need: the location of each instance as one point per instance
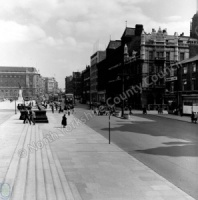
(98, 100)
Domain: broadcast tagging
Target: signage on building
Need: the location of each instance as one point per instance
(174, 78)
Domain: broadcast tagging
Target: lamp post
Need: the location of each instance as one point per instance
(15, 106)
(126, 56)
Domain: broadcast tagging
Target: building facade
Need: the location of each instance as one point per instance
(86, 85)
(51, 85)
(69, 85)
(13, 78)
(182, 86)
(77, 87)
(95, 59)
(73, 85)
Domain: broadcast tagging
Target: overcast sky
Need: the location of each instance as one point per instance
(59, 36)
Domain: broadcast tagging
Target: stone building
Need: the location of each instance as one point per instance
(95, 59)
(12, 78)
(182, 86)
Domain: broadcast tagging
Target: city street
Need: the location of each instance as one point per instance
(167, 146)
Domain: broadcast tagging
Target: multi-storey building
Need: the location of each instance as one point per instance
(73, 85)
(69, 85)
(86, 85)
(182, 86)
(103, 76)
(13, 78)
(123, 73)
(51, 85)
(77, 88)
(95, 59)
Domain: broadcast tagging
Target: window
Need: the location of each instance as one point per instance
(185, 69)
(194, 67)
(181, 56)
(160, 54)
(184, 84)
(167, 55)
(150, 55)
(193, 84)
(172, 71)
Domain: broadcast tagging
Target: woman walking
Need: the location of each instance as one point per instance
(64, 121)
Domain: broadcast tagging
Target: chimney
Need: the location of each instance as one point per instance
(138, 29)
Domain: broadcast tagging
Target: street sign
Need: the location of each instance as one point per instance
(174, 78)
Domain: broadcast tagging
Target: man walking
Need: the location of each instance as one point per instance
(26, 117)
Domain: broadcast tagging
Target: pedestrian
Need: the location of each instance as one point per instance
(196, 116)
(130, 110)
(192, 117)
(144, 110)
(52, 108)
(64, 121)
(59, 111)
(26, 116)
(32, 116)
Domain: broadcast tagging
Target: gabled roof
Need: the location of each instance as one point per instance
(114, 44)
(128, 32)
(189, 60)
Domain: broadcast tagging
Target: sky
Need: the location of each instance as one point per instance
(58, 37)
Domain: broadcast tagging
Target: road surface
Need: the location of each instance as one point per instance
(167, 146)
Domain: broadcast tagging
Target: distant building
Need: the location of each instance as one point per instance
(77, 88)
(51, 85)
(86, 85)
(73, 85)
(95, 59)
(69, 85)
(12, 78)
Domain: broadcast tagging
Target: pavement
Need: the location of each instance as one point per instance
(46, 161)
(165, 114)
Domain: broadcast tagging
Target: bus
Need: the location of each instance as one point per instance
(69, 98)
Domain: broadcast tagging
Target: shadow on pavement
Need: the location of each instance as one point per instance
(173, 151)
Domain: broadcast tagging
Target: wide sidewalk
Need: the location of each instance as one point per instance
(97, 170)
(93, 168)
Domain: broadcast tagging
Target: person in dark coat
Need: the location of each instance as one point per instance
(26, 117)
(64, 121)
(130, 110)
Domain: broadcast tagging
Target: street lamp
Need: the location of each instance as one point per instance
(15, 106)
(126, 57)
